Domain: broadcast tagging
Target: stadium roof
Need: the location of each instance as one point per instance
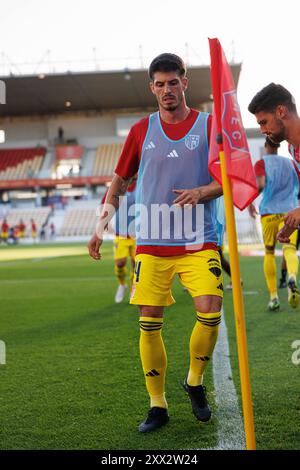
(254, 133)
(94, 91)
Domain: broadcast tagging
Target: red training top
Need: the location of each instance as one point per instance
(259, 168)
(5, 227)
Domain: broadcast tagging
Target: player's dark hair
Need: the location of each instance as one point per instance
(270, 97)
(167, 63)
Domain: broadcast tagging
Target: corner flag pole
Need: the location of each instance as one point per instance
(238, 304)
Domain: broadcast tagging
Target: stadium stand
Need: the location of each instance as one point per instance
(21, 163)
(39, 215)
(31, 175)
(78, 222)
(248, 230)
(106, 159)
(87, 162)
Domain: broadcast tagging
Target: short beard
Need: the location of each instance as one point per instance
(170, 107)
(280, 135)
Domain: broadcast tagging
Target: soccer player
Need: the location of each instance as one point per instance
(124, 243)
(4, 231)
(52, 231)
(278, 181)
(22, 228)
(169, 151)
(220, 228)
(275, 110)
(33, 230)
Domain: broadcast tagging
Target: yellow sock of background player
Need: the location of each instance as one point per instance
(202, 343)
(154, 359)
(292, 262)
(121, 273)
(270, 273)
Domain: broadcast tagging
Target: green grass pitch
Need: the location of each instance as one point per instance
(73, 378)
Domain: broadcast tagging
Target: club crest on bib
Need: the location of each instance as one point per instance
(192, 141)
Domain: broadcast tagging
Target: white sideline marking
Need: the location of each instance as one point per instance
(2, 353)
(230, 424)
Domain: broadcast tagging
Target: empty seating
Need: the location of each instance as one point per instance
(81, 221)
(106, 159)
(18, 164)
(39, 215)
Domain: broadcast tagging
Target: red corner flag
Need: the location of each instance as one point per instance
(227, 122)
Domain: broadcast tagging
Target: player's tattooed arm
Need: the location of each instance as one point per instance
(118, 189)
(291, 223)
(115, 193)
(210, 191)
(195, 195)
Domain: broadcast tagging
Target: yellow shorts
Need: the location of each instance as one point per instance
(124, 247)
(4, 235)
(271, 224)
(199, 272)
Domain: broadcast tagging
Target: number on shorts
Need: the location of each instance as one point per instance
(137, 270)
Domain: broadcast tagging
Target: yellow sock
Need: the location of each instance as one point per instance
(292, 262)
(202, 343)
(270, 273)
(154, 359)
(121, 274)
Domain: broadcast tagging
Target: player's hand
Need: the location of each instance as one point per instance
(252, 210)
(292, 218)
(187, 197)
(94, 247)
(283, 236)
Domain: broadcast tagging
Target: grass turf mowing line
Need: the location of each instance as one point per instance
(73, 378)
(275, 379)
(40, 251)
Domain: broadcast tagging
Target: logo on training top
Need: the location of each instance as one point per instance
(150, 146)
(192, 141)
(232, 122)
(173, 154)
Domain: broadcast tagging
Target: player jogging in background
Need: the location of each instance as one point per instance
(275, 110)
(22, 228)
(4, 231)
(220, 228)
(278, 181)
(169, 151)
(52, 230)
(33, 230)
(124, 241)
